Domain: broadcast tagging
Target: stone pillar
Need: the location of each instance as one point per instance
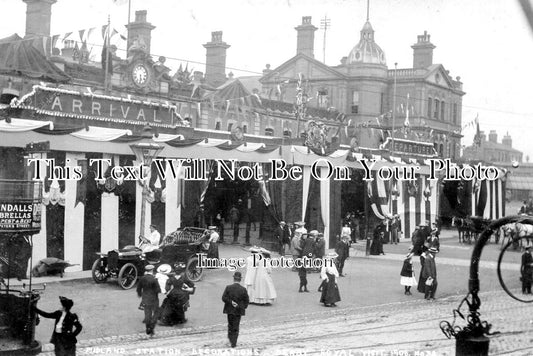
(147, 211)
(173, 202)
(39, 240)
(74, 218)
(109, 215)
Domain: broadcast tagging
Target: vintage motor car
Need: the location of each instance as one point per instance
(180, 249)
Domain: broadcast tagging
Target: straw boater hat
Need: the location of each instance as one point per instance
(265, 251)
(299, 223)
(433, 250)
(164, 269)
(212, 227)
(313, 232)
(149, 268)
(332, 255)
(255, 249)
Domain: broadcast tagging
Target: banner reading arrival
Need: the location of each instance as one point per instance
(105, 108)
(20, 216)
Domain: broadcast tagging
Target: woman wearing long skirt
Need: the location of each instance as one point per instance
(258, 281)
(329, 274)
(176, 303)
(407, 274)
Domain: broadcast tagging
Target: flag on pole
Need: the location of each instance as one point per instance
(406, 122)
(477, 137)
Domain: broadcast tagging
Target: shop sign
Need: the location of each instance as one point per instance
(409, 147)
(20, 216)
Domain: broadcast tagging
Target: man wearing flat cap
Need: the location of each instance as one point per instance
(67, 326)
(148, 289)
(236, 301)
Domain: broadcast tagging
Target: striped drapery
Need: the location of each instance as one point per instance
(488, 199)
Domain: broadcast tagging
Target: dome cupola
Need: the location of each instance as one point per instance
(367, 50)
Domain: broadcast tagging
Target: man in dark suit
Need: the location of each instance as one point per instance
(343, 250)
(526, 270)
(148, 288)
(281, 234)
(236, 301)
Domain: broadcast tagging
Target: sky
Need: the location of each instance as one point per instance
(488, 43)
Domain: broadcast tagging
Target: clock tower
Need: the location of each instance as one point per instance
(140, 30)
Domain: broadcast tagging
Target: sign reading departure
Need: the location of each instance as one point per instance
(104, 108)
(20, 216)
(410, 147)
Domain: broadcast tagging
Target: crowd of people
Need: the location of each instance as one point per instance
(293, 239)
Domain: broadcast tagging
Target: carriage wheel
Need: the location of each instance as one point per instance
(194, 273)
(99, 272)
(127, 277)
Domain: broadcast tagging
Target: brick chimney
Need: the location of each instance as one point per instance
(493, 136)
(140, 30)
(215, 59)
(38, 19)
(423, 52)
(305, 41)
(482, 136)
(507, 140)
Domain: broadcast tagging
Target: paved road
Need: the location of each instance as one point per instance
(373, 315)
(403, 328)
(374, 312)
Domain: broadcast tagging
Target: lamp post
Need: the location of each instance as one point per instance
(144, 153)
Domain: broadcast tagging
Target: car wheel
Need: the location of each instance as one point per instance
(193, 271)
(127, 277)
(99, 272)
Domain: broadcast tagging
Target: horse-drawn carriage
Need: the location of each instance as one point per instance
(180, 249)
(470, 228)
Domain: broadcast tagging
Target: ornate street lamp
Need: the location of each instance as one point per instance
(144, 154)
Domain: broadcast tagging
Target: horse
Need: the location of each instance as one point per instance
(462, 230)
(519, 232)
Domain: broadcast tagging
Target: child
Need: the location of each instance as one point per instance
(407, 274)
(302, 273)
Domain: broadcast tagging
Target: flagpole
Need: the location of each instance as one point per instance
(394, 107)
(106, 45)
(129, 12)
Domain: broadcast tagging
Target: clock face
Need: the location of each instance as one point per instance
(140, 74)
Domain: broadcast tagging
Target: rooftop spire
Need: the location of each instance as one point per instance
(367, 10)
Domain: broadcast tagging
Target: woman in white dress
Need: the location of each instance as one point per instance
(258, 280)
(407, 274)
